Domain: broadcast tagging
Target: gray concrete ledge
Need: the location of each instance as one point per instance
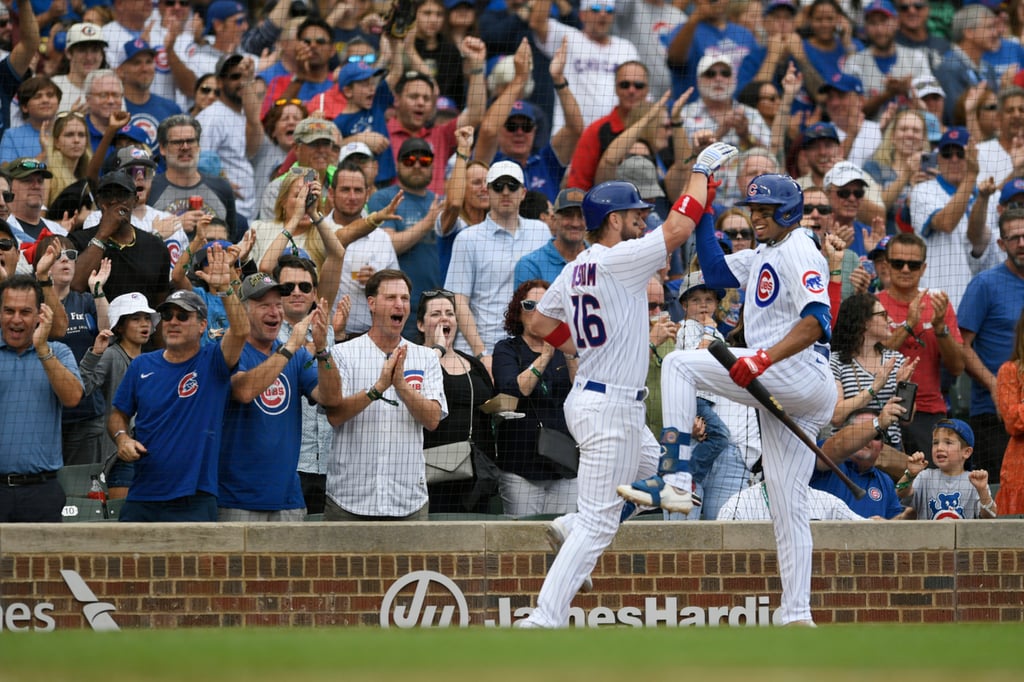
(492, 536)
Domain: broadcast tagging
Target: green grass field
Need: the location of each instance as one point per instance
(838, 653)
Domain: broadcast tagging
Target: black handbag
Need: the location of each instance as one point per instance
(561, 449)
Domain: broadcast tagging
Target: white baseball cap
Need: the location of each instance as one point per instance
(709, 60)
(354, 148)
(505, 168)
(84, 33)
(126, 305)
(843, 173)
(927, 85)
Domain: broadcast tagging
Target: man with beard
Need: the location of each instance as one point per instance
(179, 146)
(987, 317)
(885, 68)
(717, 109)
(139, 260)
(413, 237)
(364, 256)
(232, 128)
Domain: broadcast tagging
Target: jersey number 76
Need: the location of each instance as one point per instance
(587, 324)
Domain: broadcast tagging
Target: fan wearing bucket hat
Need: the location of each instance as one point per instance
(484, 258)
(258, 477)
(940, 211)
(952, 490)
(177, 397)
(905, 64)
(568, 241)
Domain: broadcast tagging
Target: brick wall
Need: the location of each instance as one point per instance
(339, 574)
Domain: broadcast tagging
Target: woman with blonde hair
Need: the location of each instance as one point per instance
(896, 164)
(297, 226)
(1010, 404)
(67, 152)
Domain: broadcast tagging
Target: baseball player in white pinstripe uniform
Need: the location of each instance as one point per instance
(787, 326)
(598, 307)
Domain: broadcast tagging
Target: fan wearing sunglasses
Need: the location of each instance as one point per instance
(174, 395)
(312, 75)
(941, 212)
(515, 139)
(846, 185)
(717, 107)
(484, 258)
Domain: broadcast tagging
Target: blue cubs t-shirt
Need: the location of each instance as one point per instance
(179, 413)
(259, 454)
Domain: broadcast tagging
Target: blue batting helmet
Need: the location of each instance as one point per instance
(607, 198)
(772, 189)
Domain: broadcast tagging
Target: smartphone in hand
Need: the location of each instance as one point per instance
(907, 392)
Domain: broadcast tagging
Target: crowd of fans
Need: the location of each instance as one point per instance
(282, 198)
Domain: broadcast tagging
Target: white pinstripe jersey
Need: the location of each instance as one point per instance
(602, 295)
(781, 280)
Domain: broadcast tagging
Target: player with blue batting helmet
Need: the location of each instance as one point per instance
(782, 191)
(607, 198)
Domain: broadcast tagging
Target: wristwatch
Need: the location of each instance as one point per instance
(878, 427)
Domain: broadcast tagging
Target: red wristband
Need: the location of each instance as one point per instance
(689, 207)
(559, 336)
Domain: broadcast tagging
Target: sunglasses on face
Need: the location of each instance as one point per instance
(990, 107)
(528, 305)
(738, 234)
(724, 73)
(636, 85)
(411, 160)
(915, 6)
(8, 196)
(70, 254)
(898, 264)
(845, 193)
(511, 185)
(179, 3)
(288, 287)
(7, 244)
(364, 58)
(651, 307)
(526, 126)
(207, 90)
(822, 209)
(607, 9)
(950, 152)
(4, 23)
(177, 314)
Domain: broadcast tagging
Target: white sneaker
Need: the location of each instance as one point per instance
(653, 492)
(556, 534)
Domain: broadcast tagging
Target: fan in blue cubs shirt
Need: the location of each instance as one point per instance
(258, 478)
(178, 396)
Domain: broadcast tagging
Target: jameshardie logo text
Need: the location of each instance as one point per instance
(20, 617)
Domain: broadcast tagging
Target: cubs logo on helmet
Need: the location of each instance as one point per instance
(767, 286)
(276, 398)
(189, 385)
(414, 377)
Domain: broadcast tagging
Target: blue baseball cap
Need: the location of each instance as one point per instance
(222, 10)
(452, 4)
(843, 82)
(1010, 190)
(133, 132)
(959, 427)
(522, 108)
(773, 5)
(355, 72)
(955, 136)
(134, 47)
(820, 131)
(883, 6)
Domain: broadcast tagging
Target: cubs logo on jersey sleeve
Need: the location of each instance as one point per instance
(189, 385)
(276, 398)
(767, 286)
(813, 282)
(414, 377)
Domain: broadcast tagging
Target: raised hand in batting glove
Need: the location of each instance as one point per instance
(750, 367)
(713, 157)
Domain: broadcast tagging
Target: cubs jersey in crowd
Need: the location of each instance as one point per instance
(178, 409)
(260, 447)
(602, 295)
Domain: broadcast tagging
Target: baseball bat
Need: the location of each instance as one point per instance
(724, 356)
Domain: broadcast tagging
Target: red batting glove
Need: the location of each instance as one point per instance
(750, 367)
(713, 186)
